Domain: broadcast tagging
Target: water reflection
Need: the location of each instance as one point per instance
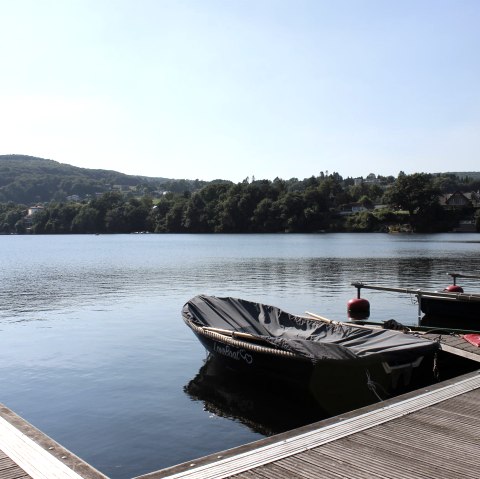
(263, 405)
(324, 283)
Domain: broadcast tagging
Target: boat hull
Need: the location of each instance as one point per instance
(452, 308)
(328, 381)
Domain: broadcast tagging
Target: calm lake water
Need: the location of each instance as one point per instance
(93, 350)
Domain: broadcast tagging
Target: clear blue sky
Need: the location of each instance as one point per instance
(234, 88)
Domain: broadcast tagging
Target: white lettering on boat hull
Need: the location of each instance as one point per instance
(232, 353)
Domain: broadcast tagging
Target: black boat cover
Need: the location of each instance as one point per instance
(312, 339)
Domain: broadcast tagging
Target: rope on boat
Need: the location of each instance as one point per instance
(372, 385)
(436, 371)
(242, 344)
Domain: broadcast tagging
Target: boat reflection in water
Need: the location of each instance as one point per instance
(268, 405)
(263, 404)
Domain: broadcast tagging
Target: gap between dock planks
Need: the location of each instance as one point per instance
(267, 451)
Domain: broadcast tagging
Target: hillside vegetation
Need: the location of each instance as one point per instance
(68, 199)
(28, 179)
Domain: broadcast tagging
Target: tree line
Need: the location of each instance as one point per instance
(27, 179)
(311, 205)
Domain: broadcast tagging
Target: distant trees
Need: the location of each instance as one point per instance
(259, 206)
(413, 193)
(11, 216)
(418, 194)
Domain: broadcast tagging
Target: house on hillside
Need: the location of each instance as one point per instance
(466, 202)
(33, 210)
(352, 208)
(459, 200)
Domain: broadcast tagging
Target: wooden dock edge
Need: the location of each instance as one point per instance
(37, 454)
(264, 451)
(459, 352)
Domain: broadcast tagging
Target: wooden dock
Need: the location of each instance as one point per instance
(27, 453)
(455, 344)
(432, 432)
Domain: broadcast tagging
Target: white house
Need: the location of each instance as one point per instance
(34, 209)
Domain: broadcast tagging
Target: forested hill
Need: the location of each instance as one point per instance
(28, 179)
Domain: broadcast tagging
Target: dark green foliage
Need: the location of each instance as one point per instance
(27, 179)
(88, 220)
(362, 222)
(10, 215)
(412, 193)
(311, 205)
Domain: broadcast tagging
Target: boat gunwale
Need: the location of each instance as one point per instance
(238, 343)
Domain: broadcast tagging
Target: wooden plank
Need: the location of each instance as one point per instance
(306, 470)
(460, 342)
(435, 441)
(37, 454)
(361, 470)
(410, 428)
(460, 352)
(249, 475)
(461, 415)
(441, 425)
(271, 472)
(350, 459)
(464, 405)
(435, 453)
(276, 471)
(10, 470)
(455, 341)
(456, 345)
(351, 462)
(33, 459)
(289, 444)
(414, 451)
(390, 461)
(15, 473)
(4, 461)
(312, 462)
(459, 419)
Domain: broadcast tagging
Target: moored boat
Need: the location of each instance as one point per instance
(458, 306)
(451, 307)
(455, 304)
(325, 356)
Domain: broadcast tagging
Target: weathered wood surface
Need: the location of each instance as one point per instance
(27, 453)
(441, 441)
(434, 442)
(434, 432)
(10, 470)
(456, 344)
